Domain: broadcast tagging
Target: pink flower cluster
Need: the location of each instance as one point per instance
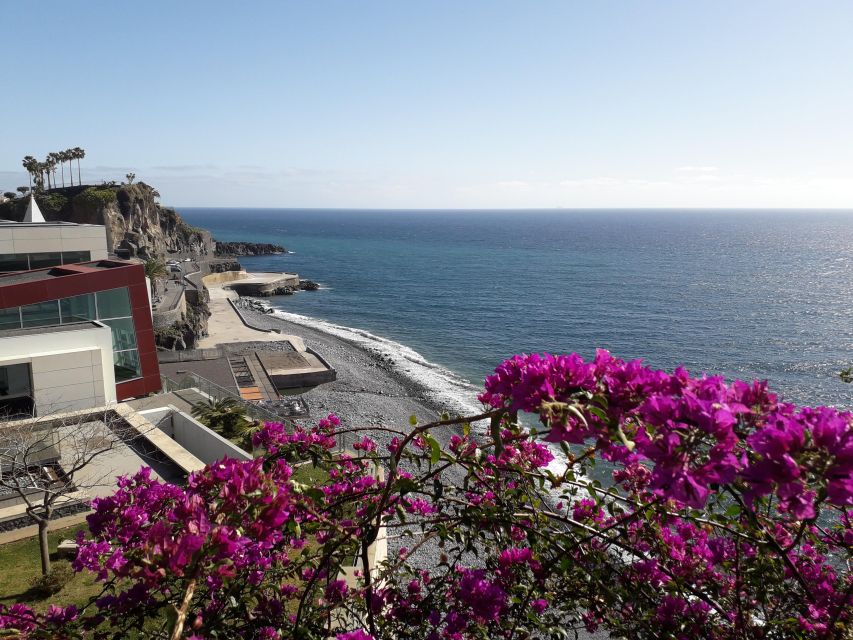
(699, 433)
(731, 516)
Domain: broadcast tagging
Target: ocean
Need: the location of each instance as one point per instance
(447, 295)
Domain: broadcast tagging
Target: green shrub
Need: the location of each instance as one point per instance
(51, 202)
(96, 197)
(59, 575)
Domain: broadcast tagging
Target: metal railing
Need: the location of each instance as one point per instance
(193, 381)
(204, 386)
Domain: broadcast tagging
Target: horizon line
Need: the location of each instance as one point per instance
(597, 208)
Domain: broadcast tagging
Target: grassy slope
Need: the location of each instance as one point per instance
(19, 563)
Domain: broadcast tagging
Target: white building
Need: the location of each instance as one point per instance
(37, 244)
(47, 370)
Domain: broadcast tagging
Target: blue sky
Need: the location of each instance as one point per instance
(440, 104)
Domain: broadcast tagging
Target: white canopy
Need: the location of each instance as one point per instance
(33, 212)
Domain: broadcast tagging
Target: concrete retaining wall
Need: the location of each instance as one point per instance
(167, 318)
(205, 444)
(266, 288)
(224, 276)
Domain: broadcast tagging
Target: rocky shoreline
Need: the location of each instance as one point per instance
(368, 391)
(237, 249)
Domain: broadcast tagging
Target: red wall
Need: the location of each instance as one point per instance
(79, 279)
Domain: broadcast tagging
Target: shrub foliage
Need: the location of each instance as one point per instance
(726, 514)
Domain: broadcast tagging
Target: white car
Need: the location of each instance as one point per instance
(188, 259)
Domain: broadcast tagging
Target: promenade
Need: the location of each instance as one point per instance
(225, 326)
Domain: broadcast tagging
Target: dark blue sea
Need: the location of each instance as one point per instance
(449, 294)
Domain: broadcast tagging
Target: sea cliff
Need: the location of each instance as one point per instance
(137, 225)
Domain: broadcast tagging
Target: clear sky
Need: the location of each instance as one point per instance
(481, 104)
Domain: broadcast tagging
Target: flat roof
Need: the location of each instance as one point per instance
(37, 275)
(58, 328)
(56, 223)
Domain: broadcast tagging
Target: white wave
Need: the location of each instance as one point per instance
(442, 387)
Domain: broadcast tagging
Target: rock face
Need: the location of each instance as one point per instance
(247, 249)
(220, 266)
(137, 225)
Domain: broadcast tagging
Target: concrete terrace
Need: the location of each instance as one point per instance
(226, 326)
(252, 360)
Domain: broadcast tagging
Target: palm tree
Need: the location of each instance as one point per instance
(60, 157)
(78, 155)
(31, 165)
(68, 156)
(225, 415)
(156, 270)
(41, 172)
(49, 167)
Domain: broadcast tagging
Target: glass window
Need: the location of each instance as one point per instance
(124, 336)
(41, 314)
(114, 303)
(10, 318)
(14, 262)
(15, 380)
(78, 308)
(44, 260)
(72, 257)
(126, 364)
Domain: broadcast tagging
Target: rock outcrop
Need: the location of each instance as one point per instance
(137, 225)
(308, 285)
(222, 265)
(247, 249)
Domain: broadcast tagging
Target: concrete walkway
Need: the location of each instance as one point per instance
(32, 530)
(224, 325)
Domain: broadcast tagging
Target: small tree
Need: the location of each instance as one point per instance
(47, 461)
(130, 177)
(23, 190)
(155, 270)
(11, 195)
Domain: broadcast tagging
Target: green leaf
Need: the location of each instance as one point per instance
(598, 411)
(413, 420)
(406, 485)
(435, 456)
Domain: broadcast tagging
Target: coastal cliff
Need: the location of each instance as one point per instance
(137, 225)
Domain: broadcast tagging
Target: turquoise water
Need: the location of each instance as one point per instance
(749, 294)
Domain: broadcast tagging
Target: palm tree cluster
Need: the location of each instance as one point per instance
(224, 415)
(45, 172)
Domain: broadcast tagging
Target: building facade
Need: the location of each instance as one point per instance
(26, 246)
(54, 369)
(112, 294)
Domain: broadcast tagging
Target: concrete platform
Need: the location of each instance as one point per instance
(225, 325)
(264, 284)
(295, 369)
